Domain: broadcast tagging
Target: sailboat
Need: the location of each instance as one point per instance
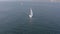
(31, 13)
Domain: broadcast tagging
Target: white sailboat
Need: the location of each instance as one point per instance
(31, 13)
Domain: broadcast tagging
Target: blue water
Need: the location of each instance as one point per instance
(14, 18)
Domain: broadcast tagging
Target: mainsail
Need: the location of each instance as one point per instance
(31, 13)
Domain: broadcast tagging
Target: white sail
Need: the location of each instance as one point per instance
(31, 13)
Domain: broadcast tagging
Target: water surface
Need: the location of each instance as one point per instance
(14, 18)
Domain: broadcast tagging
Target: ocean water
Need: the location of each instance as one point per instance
(14, 18)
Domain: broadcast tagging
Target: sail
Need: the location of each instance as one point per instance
(31, 13)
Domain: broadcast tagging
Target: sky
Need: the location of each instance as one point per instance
(14, 0)
(34, 0)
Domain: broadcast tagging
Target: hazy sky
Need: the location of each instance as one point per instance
(15, 0)
(34, 0)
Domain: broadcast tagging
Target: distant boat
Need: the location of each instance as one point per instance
(31, 13)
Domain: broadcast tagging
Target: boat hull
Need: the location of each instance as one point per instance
(30, 16)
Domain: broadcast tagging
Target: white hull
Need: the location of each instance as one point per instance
(30, 16)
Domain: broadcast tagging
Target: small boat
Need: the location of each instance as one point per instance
(31, 13)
